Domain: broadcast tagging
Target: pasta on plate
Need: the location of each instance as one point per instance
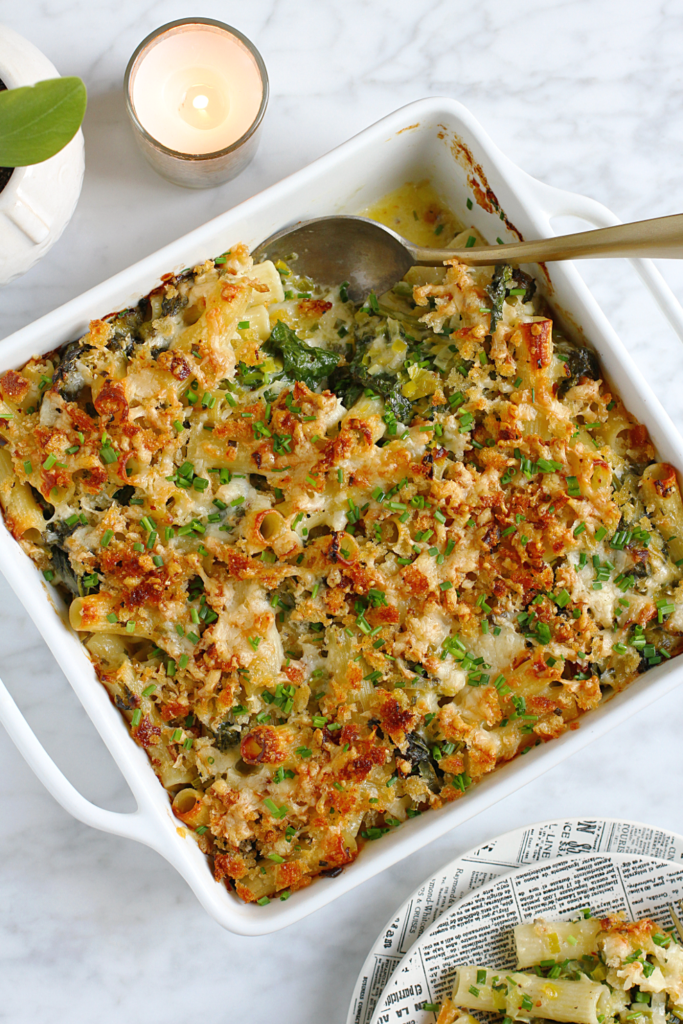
(335, 563)
(591, 971)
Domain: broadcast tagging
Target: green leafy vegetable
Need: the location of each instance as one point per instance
(301, 361)
(578, 362)
(501, 281)
(36, 121)
(507, 281)
(227, 736)
(350, 382)
(523, 283)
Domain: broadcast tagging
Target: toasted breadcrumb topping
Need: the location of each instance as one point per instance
(335, 563)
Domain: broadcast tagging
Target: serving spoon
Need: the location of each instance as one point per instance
(372, 258)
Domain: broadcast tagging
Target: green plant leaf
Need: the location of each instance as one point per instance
(36, 121)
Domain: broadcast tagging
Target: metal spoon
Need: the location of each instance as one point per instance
(371, 257)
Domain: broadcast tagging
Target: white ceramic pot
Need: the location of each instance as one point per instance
(38, 201)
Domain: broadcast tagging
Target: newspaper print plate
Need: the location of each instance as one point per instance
(532, 844)
(478, 929)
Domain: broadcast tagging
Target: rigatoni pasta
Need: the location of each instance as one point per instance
(555, 939)
(590, 971)
(334, 562)
(519, 996)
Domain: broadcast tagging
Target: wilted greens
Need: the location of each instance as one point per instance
(301, 361)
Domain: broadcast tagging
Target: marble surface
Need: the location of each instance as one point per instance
(585, 94)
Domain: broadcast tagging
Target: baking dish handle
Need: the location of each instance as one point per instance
(135, 825)
(556, 202)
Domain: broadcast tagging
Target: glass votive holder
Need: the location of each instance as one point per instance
(196, 93)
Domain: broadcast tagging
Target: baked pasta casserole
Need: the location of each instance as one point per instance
(334, 563)
(591, 971)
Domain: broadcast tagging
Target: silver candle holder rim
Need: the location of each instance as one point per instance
(176, 153)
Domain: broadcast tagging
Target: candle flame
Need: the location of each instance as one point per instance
(204, 106)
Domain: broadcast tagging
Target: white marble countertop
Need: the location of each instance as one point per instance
(585, 95)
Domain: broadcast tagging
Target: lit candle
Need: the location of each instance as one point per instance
(196, 92)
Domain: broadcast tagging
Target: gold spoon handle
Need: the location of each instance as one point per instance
(661, 237)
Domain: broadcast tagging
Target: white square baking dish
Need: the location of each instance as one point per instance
(436, 139)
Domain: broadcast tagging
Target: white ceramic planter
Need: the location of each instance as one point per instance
(38, 202)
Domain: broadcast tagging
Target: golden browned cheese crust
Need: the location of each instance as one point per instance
(334, 564)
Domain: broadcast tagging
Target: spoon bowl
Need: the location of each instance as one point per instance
(370, 257)
(332, 250)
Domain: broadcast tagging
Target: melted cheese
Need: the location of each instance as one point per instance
(327, 604)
